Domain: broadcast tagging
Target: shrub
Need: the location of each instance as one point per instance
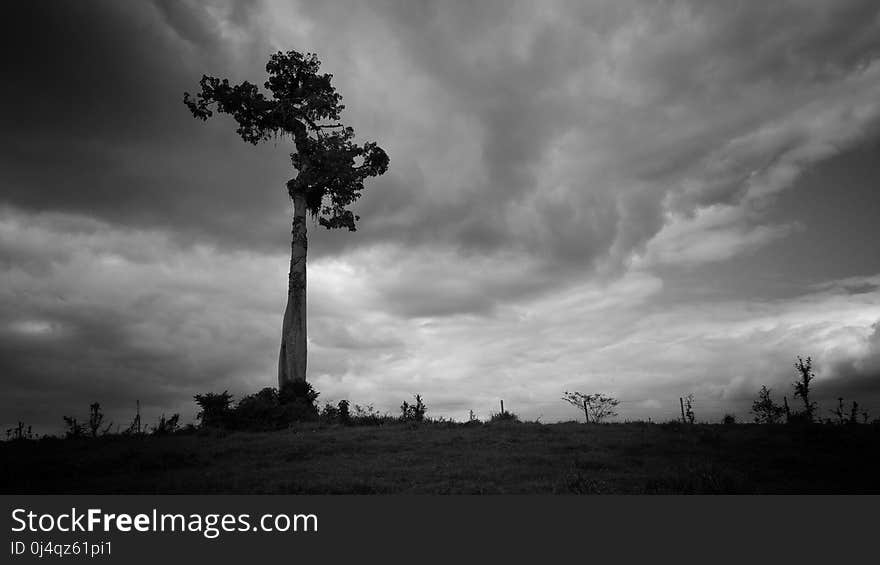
(96, 418)
(74, 428)
(258, 411)
(216, 409)
(344, 413)
(472, 419)
(339, 414)
(329, 413)
(596, 407)
(19, 433)
(271, 409)
(728, 420)
(167, 426)
(297, 402)
(689, 409)
(765, 410)
(413, 412)
(504, 417)
(369, 416)
(802, 387)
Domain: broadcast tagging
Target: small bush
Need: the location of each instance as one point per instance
(19, 433)
(74, 428)
(344, 413)
(369, 416)
(765, 410)
(802, 388)
(413, 412)
(329, 413)
(728, 419)
(216, 409)
(339, 414)
(96, 418)
(167, 426)
(297, 402)
(504, 417)
(258, 411)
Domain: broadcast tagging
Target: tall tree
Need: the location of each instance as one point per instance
(331, 167)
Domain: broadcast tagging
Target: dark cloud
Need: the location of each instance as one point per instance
(548, 160)
(95, 124)
(857, 377)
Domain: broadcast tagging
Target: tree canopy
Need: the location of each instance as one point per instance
(304, 105)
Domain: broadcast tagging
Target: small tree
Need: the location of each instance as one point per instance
(167, 426)
(96, 418)
(689, 409)
(765, 410)
(74, 428)
(342, 408)
(596, 407)
(802, 387)
(215, 407)
(413, 412)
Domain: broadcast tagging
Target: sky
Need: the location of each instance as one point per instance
(642, 199)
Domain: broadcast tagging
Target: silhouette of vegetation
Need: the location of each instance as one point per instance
(167, 426)
(505, 417)
(802, 390)
(96, 419)
(339, 414)
(331, 169)
(297, 402)
(413, 412)
(216, 409)
(267, 409)
(19, 433)
(689, 416)
(765, 410)
(75, 429)
(367, 415)
(596, 407)
(680, 456)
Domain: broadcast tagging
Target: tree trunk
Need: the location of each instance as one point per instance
(292, 359)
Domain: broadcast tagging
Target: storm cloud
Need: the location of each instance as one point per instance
(568, 183)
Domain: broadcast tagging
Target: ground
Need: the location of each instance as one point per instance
(440, 458)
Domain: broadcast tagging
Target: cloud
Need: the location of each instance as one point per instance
(548, 162)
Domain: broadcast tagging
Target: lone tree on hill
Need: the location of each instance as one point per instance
(331, 168)
(596, 407)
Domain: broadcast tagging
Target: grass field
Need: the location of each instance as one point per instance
(566, 458)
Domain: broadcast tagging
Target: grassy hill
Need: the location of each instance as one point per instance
(566, 458)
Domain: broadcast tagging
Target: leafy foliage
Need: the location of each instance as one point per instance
(19, 433)
(264, 410)
(802, 387)
(504, 417)
(303, 104)
(596, 407)
(215, 409)
(413, 412)
(74, 428)
(167, 426)
(96, 418)
(765, 410)
(689, 416)
(339, 413)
